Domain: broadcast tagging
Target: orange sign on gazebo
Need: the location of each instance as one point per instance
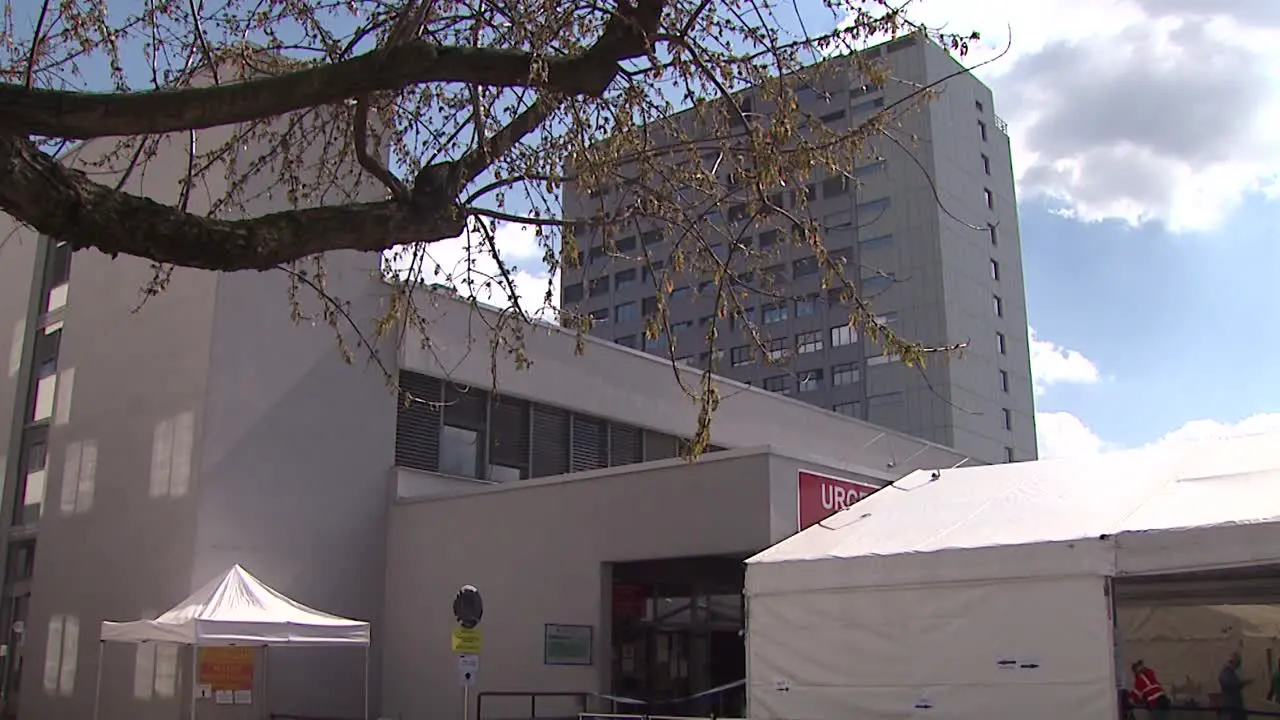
(226, 668)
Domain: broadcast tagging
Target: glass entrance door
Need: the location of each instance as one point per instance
(678, 638)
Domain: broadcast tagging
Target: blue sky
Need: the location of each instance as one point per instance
(1148, 210)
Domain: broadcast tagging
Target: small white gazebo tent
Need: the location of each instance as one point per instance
(238, 609)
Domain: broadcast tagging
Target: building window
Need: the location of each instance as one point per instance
(986, 164)
(680, 292)
(740, 356)
(459, 451)
(777, 350)
(982, 130)
(832, 117)
(650, 271)
(768, 239)
(1004, 380)
(1001, 346)
(742, 319)
(658, 342)
(681, 326)
(842, 335)
(62, 649)
(626, 278)
(874, 168)
(848, 409)
(572, 293)
(32, 477)
(1006, 417)
(888, 318)
(804, 267)
(977, 105)
(598, 287)
(876, 283)
(509, 432)
(599, 317)
(880, 360)
(879, 241)
(835, 186)
(867, 106)
(809, 342)
(649, 306)
(626, 341)
(872, 210)
(651, 238)
(777, 384)
(595, 255)
(844, 374)
(997, 305)
(809, 381)
(46, 375)
(838, 220)
(626, 312)
(988, 198)
(1008, 455)
(22, 560)
(774, 313)
(807, 305)
(991, 232)
(773, 274)
(995, 269)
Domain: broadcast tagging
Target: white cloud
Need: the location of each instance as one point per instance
(1197, 430)
(1061, 434)
(1052, 364)
(1163, 112)
(466, 263)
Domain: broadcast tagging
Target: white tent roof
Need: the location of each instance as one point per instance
(239, 609)
(1133, 512)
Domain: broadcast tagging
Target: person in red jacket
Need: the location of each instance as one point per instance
(1148, 693)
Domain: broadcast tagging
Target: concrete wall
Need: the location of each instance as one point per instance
(535, 550)
(957, 148)
(619, 383)
(298, 446)
(539, 551)
(115, 538)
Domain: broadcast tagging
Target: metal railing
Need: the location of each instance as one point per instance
(532, 696)
(1001, 125)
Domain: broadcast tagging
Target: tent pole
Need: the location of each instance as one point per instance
(366, 682)
(195, 682)
(97, 686)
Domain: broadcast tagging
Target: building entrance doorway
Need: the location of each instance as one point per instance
(678, 636)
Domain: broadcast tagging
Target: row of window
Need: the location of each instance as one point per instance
(469, 432)
(800, 268)
(997, 303)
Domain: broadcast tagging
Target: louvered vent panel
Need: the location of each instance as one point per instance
(509, 433)
(660, 446)
(590, 444)
(550, 438)
(624, 445)
(418, 422)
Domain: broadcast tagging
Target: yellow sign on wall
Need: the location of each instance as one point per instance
(466, 642)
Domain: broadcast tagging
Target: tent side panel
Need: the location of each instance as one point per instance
(977, 650)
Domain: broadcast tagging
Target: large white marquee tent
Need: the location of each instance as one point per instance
(238, 609)
(987, 591)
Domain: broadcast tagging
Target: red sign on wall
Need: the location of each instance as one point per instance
(818, 497)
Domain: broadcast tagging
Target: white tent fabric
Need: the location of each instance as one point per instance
(239, 609)
(982, 591)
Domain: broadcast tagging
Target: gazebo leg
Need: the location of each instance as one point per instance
(97, 686)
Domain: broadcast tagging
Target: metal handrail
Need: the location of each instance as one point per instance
(533, 696)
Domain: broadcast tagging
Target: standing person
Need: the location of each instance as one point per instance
(1232, 686)
(1148, 693)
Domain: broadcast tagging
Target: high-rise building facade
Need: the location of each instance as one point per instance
(927, 225)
